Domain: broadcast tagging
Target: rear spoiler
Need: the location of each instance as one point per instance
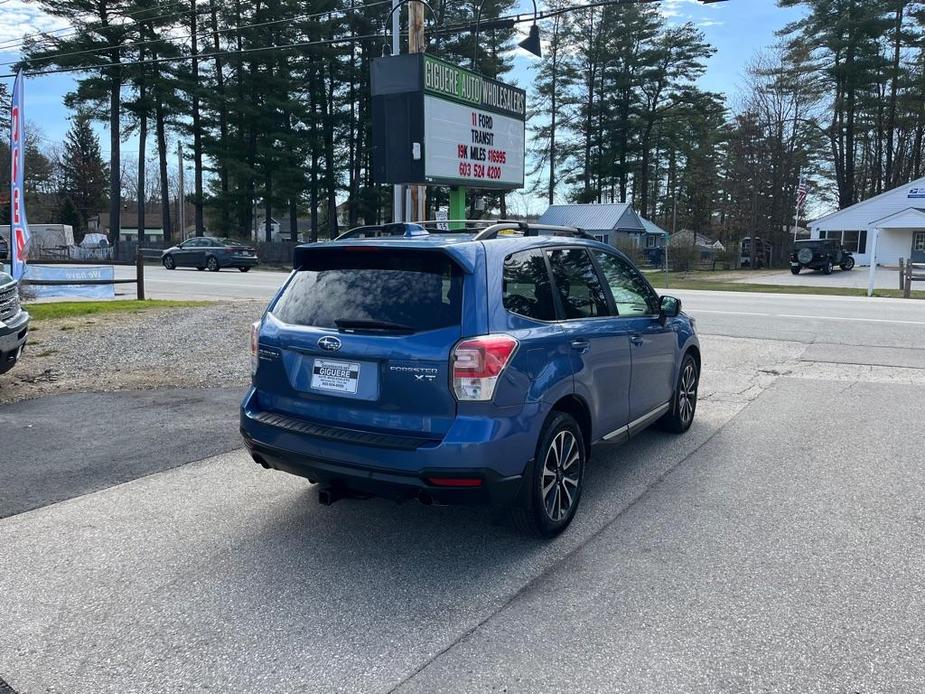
(463, 255)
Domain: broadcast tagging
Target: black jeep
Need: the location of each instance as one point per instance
(819, 254)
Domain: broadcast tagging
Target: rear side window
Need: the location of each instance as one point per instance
(578, 284)
(527, 290)
(381, 289)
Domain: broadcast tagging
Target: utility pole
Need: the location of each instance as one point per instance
(674, 226)
(416, 45)
(181, 199)
(398, 191)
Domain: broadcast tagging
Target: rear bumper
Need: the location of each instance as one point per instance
(494, 490)
(498, 455)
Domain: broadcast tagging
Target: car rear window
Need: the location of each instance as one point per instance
(527, 289)
(418, 290)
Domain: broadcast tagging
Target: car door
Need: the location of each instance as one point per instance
(599, 343)
(182, 257)
(653, 342)
(201, 250)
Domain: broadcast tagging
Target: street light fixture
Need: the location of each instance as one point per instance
(531, 43)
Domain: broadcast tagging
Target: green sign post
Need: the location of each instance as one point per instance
(457, 205)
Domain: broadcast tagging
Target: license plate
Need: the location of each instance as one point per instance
(335, 376)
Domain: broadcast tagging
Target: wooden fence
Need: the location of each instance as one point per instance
(910, 272)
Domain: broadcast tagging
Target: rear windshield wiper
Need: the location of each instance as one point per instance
(365, 324)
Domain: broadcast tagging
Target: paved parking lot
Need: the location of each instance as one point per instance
(858, 278)
(775, 547)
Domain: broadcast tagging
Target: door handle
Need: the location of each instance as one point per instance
(637, 340)
(581, 345)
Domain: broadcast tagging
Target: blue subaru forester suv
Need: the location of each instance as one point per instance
(473, 367)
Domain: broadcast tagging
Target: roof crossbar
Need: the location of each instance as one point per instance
(527, 229)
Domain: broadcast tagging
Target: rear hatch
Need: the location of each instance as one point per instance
(361, 338)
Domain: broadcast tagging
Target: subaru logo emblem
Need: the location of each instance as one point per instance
(329, 343)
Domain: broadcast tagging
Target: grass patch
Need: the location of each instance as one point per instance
(77, 309)
(676, 282)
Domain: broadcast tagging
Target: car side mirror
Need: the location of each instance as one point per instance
(670, 306)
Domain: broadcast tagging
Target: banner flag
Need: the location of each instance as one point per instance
(19, 228)
(801, 194)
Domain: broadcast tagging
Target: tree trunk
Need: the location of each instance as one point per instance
(222, 123)
(142, 146)
(894, 82)
(115, 141)
(313, 130)
(267, 205)
(327, 98)
(197, 127)
(293, 220)
(162, 164)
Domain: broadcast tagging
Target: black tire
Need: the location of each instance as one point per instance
(244, 269)
(212, 264)
(555, 478)
(827, 268)
(848, 264)
(200, 267)
(684, 403)
(795, 270)
(169, 262)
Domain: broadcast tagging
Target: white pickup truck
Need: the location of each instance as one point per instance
(14, 323)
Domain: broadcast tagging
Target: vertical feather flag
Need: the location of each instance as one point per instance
(19, 228)
(801, 194)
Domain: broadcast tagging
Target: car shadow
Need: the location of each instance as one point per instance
(356, 548)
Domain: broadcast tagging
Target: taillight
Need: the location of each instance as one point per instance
(255, 341)
(455, 481)
(477, 364)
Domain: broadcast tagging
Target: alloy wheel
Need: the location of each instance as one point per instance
(561, 475)
(687, 393)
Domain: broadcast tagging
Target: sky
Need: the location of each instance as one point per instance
(736, 28)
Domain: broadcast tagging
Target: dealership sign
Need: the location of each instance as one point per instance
(439, 124)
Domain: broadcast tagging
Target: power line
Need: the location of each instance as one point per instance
(505, 20)
(201, 56)
(199, 34)
(43, 36)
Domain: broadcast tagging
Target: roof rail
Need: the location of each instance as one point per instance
(527, 229)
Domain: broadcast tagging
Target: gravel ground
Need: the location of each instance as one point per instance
(188, 347)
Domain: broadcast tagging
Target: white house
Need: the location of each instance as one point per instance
(882, 229)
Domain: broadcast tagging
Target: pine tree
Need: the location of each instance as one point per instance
(101, 30)
(83, 173)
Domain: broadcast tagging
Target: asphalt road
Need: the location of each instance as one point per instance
(799, 317)
(59, 447)
(189, 283)
(774, 547)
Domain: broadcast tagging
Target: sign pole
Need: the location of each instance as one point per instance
(398, 194)
(457, 205)
(416, 45)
